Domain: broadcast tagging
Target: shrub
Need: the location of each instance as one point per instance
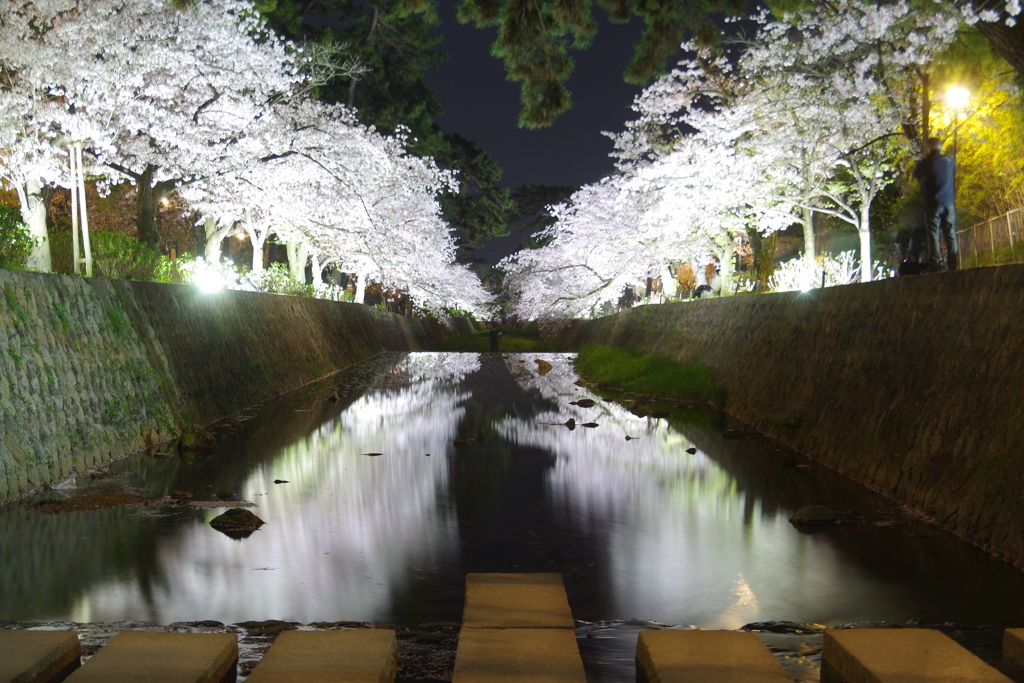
(16, 242)
(116, 255)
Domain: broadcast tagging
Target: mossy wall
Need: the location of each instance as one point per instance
(914, 386)
(94, 369)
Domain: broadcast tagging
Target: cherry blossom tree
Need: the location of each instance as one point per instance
(816, 99)
(170, 91)
(37, 127)
(341, 191)
(801, 117)
(598, 245)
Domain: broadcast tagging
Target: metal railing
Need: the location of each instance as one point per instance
(993, 242)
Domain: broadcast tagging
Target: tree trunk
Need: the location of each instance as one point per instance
(864, 229)
(807, 222)
(725, 254)
(669, 283)
(33, 212)
(318, 270)
(298, 254)
(763, 252)
(145, 216)
(214, 238)
(700, 276)
(361, 288)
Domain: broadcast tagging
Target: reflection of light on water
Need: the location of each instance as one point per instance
(81, 611)
(743, 608)
(343, 536)
(677, 528)
(350, 534)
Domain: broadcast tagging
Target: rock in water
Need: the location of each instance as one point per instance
(813, 514)
(195, 438)
(237, 519)
(543, 367)
(224, 494)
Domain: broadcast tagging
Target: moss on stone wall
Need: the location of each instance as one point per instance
(94, 369)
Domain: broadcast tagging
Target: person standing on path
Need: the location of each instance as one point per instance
(936, 172)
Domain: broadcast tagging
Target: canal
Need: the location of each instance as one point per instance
(383, 486)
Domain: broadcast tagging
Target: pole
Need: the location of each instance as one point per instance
(956, 129)
(73, 186)
(86, 247)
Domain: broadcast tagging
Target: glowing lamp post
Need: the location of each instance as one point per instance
(956, 99)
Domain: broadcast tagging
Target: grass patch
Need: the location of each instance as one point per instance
(648, 373)
(510, 341)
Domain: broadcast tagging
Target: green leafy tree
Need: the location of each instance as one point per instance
(16, 241)
(536, 38)
(394, 45)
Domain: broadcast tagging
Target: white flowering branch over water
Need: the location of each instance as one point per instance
(208, 102)
(805, 115)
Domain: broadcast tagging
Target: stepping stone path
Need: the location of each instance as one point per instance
(517, 628)
(905, 655)
(353, 656)
(705, 656)
(38, 656)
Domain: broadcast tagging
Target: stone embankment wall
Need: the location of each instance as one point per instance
(913, 386)
(94, 369)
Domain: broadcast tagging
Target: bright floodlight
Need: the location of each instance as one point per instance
(956, 97)
(207, 278)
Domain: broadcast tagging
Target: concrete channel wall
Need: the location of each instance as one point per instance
(913, 386)
(94, 369)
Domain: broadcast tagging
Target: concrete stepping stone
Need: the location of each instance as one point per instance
(516, 601)
(517, 628)
(705, 657)
(136, 656)
(38, 656)
(905, 655)
(520, 655)
(353, 656)
(1013, 654)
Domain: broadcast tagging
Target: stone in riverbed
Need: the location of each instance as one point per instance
(814, 514)
(237, 519)
(195, 438)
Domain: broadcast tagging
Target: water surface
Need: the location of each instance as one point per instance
(476, 473)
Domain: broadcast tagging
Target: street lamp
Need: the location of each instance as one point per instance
(956, 99)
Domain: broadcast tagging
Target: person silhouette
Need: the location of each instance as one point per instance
(936, 172)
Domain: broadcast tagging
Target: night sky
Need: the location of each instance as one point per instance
(482, 106)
